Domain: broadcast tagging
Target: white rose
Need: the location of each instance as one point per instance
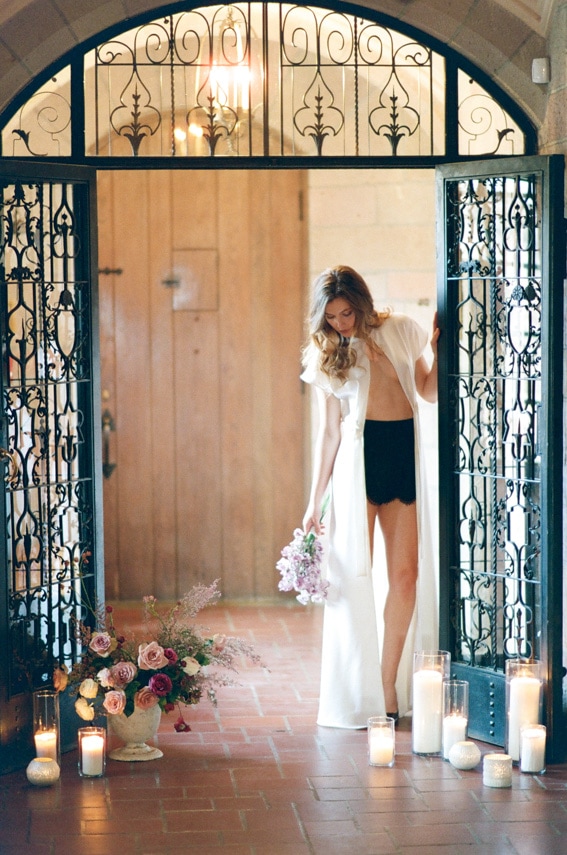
(191, 666)
(84, 709)
(88, 688)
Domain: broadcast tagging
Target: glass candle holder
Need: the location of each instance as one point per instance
(92, 752)
(532, 748)
(497, 770)
(381, 740)
(46, 724)
(455, 713)
(524, 686)
(430, 670)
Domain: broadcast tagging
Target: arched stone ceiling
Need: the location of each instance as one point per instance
(499, 36)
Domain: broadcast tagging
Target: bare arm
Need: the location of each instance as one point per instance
(426, 376)
(328, 439)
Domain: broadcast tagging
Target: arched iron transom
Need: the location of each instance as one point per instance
(251, 80)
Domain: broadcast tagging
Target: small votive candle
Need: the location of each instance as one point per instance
(92, 751)
(497, 770)
(532, 748)
(381, 740)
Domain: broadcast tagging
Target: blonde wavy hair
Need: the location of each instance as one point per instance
(336, 355)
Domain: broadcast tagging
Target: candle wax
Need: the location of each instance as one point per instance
(92, 755)
(532, 750)
(46, 743)
(454, 730)
(524, 709)
(427, 711)
(381, 746)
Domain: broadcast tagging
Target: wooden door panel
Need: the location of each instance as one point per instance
(201, 365)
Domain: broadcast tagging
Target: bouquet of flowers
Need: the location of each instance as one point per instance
(300, 568)
(173, 665)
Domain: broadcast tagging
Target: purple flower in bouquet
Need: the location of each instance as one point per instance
(300, 568)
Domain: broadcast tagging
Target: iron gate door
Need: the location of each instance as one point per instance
(500, 440)
(51, 537)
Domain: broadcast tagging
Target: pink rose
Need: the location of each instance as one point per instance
(151, 656)
(160, 684)
(219, 642)
(145, 698)
(103, 678)
(102, 644)
(114, 701)
(121, 674)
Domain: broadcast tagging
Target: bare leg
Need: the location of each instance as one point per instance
(399, 529)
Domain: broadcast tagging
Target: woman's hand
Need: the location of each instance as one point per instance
(435, 336)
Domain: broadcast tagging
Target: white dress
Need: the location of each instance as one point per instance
(351, 686)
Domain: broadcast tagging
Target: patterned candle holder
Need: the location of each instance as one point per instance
(46, 724)
(497, 770)
(524, 690)
(42, 772)
(430, 670)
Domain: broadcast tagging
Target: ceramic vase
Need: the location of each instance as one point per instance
(134, 731)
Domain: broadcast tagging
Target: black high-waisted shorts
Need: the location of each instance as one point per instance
(389, 461)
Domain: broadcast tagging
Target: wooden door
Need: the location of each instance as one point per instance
(202, 303)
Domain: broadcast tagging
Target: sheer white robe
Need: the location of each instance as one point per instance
(351, 684)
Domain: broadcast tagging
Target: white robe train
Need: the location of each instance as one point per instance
(351, 685)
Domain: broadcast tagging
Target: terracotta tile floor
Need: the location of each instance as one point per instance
(256, 776)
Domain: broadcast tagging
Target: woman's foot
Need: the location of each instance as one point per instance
(394, 715)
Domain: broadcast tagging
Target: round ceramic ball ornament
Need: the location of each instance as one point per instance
(464, 755)
(42, 772)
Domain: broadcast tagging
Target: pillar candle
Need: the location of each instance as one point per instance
(454, 730)
(532, 753)
(46, 743)
(381, 747)
(524, 709)
(92, 755)
(427, 711)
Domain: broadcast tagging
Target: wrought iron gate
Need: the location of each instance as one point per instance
(500, 405)
(49, 445)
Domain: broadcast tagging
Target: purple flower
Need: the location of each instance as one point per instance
(160, 684)
(300, 568)
(171, 655)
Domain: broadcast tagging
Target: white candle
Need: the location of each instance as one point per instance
(532, 749)
(454, 730)
(524, 709)
(92, 755)
(381, 746)
(46, 743)
(427, 711)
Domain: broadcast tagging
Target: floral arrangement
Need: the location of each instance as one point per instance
(173, 665)
(300, 568)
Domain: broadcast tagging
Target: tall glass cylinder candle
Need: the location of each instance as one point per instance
(429, 672)
(46, 724)
(532, 749)
(455, 713)
(524, 686)
(381, 740)
(92, 751)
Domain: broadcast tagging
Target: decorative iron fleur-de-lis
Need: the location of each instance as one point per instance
(135, 130)
(319, 117)
(217, 120)
(395, 120)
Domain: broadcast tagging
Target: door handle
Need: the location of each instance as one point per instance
(108, 427)
(10, 458)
